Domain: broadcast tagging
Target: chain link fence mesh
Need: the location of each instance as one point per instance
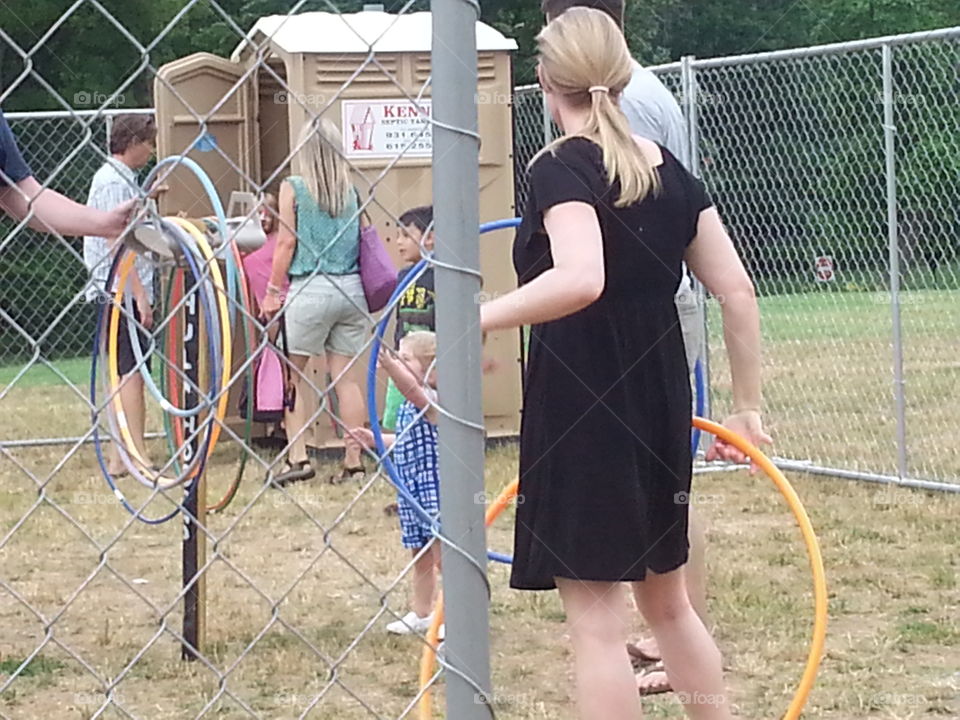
(792, 148)
(299, 580)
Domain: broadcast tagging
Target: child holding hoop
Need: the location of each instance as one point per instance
(416, 457)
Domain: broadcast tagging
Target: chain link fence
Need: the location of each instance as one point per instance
(43, 275)
(281, 597)
(820, 161)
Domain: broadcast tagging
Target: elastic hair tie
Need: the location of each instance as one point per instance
(599, 88)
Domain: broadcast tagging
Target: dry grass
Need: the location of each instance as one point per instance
(96, 592)
(893, 648)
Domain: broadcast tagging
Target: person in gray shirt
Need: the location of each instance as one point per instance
(653, 113)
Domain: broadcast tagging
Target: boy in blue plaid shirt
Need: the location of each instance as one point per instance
(416, 457)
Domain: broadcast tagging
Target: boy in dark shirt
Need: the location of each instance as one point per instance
(415, 310)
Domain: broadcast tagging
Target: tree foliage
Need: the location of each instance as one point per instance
(87, 53)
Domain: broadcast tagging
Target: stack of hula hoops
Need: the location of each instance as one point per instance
(202, 305)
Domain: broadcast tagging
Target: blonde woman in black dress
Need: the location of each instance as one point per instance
(605, 457)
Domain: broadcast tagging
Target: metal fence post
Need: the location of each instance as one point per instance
(890, 138)
(547, 120)
(456, 192)
(108, 127)
(688, 79)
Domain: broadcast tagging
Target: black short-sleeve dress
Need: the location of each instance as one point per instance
(605, 456)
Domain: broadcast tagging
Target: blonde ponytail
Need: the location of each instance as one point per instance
(584, 57)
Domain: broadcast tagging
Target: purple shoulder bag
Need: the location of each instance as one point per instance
(377, 272)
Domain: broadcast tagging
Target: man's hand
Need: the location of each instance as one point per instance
(115, 221)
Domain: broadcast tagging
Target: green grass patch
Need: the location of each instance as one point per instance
(76, 371)
(37, 667)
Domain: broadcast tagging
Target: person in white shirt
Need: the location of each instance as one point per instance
(132, 140)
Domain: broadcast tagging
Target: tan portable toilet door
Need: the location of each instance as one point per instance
(186, 91)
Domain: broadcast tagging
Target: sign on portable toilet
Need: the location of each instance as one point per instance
(369, 73)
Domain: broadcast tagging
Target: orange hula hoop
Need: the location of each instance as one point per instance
(815, 654)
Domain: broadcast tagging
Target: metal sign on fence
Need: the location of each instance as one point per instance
(823, 269)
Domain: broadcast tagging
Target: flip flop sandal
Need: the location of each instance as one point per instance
(657, 689)
(294, 472)
(638, 658)
(347, 474)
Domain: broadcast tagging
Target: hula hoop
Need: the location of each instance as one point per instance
(246, 324)
(383, 455)
(127, 445)
(814, 656)
(700, 388)
(226, 343)
(98, 447)
(216, 301)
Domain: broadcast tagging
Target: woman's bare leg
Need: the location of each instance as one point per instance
(296, 419)
(597, 620)
(689, 653)
(350, 397)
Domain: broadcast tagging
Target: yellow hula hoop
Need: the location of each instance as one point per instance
(224, 325)
(112, 346)
(113, 363)
(814, 656)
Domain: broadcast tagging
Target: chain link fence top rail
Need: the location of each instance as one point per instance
(301, 579)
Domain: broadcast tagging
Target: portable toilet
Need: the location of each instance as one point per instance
(369, 72)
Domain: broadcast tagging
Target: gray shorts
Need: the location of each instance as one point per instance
(691, 322)
(327, 315)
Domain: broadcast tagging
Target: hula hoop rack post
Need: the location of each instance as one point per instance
(194, 546)
(203, 352)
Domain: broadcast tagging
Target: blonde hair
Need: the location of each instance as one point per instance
(584, 57)
(422, 345)
(323, 167)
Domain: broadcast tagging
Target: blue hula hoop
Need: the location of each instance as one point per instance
(701, 392)
(233, 293)
(383, 455)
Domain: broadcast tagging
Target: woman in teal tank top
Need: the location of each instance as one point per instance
(318, 248)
